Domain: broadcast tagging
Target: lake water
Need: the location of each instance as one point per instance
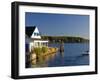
(74, 54)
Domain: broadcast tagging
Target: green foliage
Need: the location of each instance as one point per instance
(44, 49)
(65, 39)
(38, 50)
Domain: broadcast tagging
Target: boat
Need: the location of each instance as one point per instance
(85, 53)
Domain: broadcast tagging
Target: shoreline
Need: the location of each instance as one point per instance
(33, 57)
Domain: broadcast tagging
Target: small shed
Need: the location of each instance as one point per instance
(33, 38)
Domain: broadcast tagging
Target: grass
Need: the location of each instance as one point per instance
(40, 51)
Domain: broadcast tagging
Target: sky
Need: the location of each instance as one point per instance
(59, 24)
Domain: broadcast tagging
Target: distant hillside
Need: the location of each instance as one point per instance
(65, 39)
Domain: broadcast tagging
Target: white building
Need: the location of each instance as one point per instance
(33, 38)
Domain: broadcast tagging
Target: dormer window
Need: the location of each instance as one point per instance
(36, 34)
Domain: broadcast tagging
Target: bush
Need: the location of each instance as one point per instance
(44, 49)
(38, 50)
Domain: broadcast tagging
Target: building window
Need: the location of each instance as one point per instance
(36, 34)
(38, 44)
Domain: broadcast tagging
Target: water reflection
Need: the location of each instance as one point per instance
(41, 61)
(61, 54)
(53, 60)
(72, 56)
